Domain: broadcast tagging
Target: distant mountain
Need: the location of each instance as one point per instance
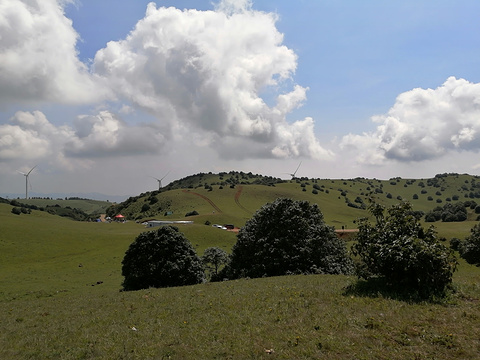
(92, 196)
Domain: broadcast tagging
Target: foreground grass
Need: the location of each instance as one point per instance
(59, 299)
(299, 317)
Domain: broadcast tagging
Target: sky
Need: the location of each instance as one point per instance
(105, 96)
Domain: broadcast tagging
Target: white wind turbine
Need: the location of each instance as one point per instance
(293, 175)
(26, 180)
(160, 180)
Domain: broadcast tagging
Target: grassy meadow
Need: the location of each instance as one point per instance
(60, 282)
(87, 205)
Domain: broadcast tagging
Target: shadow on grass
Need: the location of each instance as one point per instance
(379, 288)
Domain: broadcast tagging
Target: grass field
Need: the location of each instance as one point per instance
(60, 298)
(86, 205)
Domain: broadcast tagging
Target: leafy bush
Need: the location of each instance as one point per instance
(191, 213)
(161, 258)
(449, 213)
(455, 243)
(287, 237)
(213, 258)
(470, 248)
(16, 211)
(401, 252)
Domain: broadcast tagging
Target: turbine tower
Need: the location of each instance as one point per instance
(293, 175)
(26, 180)
(160, 180)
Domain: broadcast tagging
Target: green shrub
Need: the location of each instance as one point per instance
(214, 258)
(470, 248)
(287, 237)
(455, 243)
(161, 258)
(397, 249)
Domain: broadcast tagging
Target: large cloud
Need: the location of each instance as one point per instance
(424, 124)
(202, 72)
(31, 136)
(38, 59)
(104, 135)
(28, 136)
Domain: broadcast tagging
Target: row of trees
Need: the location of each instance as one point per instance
(291, 237)
(284, 237)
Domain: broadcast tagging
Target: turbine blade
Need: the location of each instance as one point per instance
(165, 175)
(31, 170)
(298, 167)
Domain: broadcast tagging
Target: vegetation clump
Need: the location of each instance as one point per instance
(448, 213)
(287, 237)
(214, 258)
(161, 258)
(470, 248)
(399, 251)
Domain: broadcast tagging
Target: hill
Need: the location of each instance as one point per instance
(232, 198)
(60, 281)
(74, 208)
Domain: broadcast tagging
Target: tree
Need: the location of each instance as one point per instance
(287, 237)
(213, 258)
(398, 250)
(161, 258)
(470, 248)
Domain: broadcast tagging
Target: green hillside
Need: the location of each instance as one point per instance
(60, 282)
(232, 198)
(89, 206)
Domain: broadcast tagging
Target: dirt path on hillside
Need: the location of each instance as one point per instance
(204, 198)
(237, 201)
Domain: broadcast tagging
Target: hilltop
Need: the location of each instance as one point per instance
(234, 197)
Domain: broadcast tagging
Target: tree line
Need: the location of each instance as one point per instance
(394, 254)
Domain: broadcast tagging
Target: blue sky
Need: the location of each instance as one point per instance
(103, 94)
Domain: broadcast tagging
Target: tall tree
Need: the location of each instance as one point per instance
(287, 237)
(161, 258)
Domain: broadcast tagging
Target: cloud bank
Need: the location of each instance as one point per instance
(31, 136)
(423, 124)
(38, 58)
(195, 84)
(203, 72)
(199, 73)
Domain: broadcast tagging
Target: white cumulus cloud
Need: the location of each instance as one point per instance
(31, 136)
(201, 73)
(105, 135)
(424, 124)
(38, 58)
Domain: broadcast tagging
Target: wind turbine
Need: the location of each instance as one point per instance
(26, 180)
(293, 175)
(160, 180)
